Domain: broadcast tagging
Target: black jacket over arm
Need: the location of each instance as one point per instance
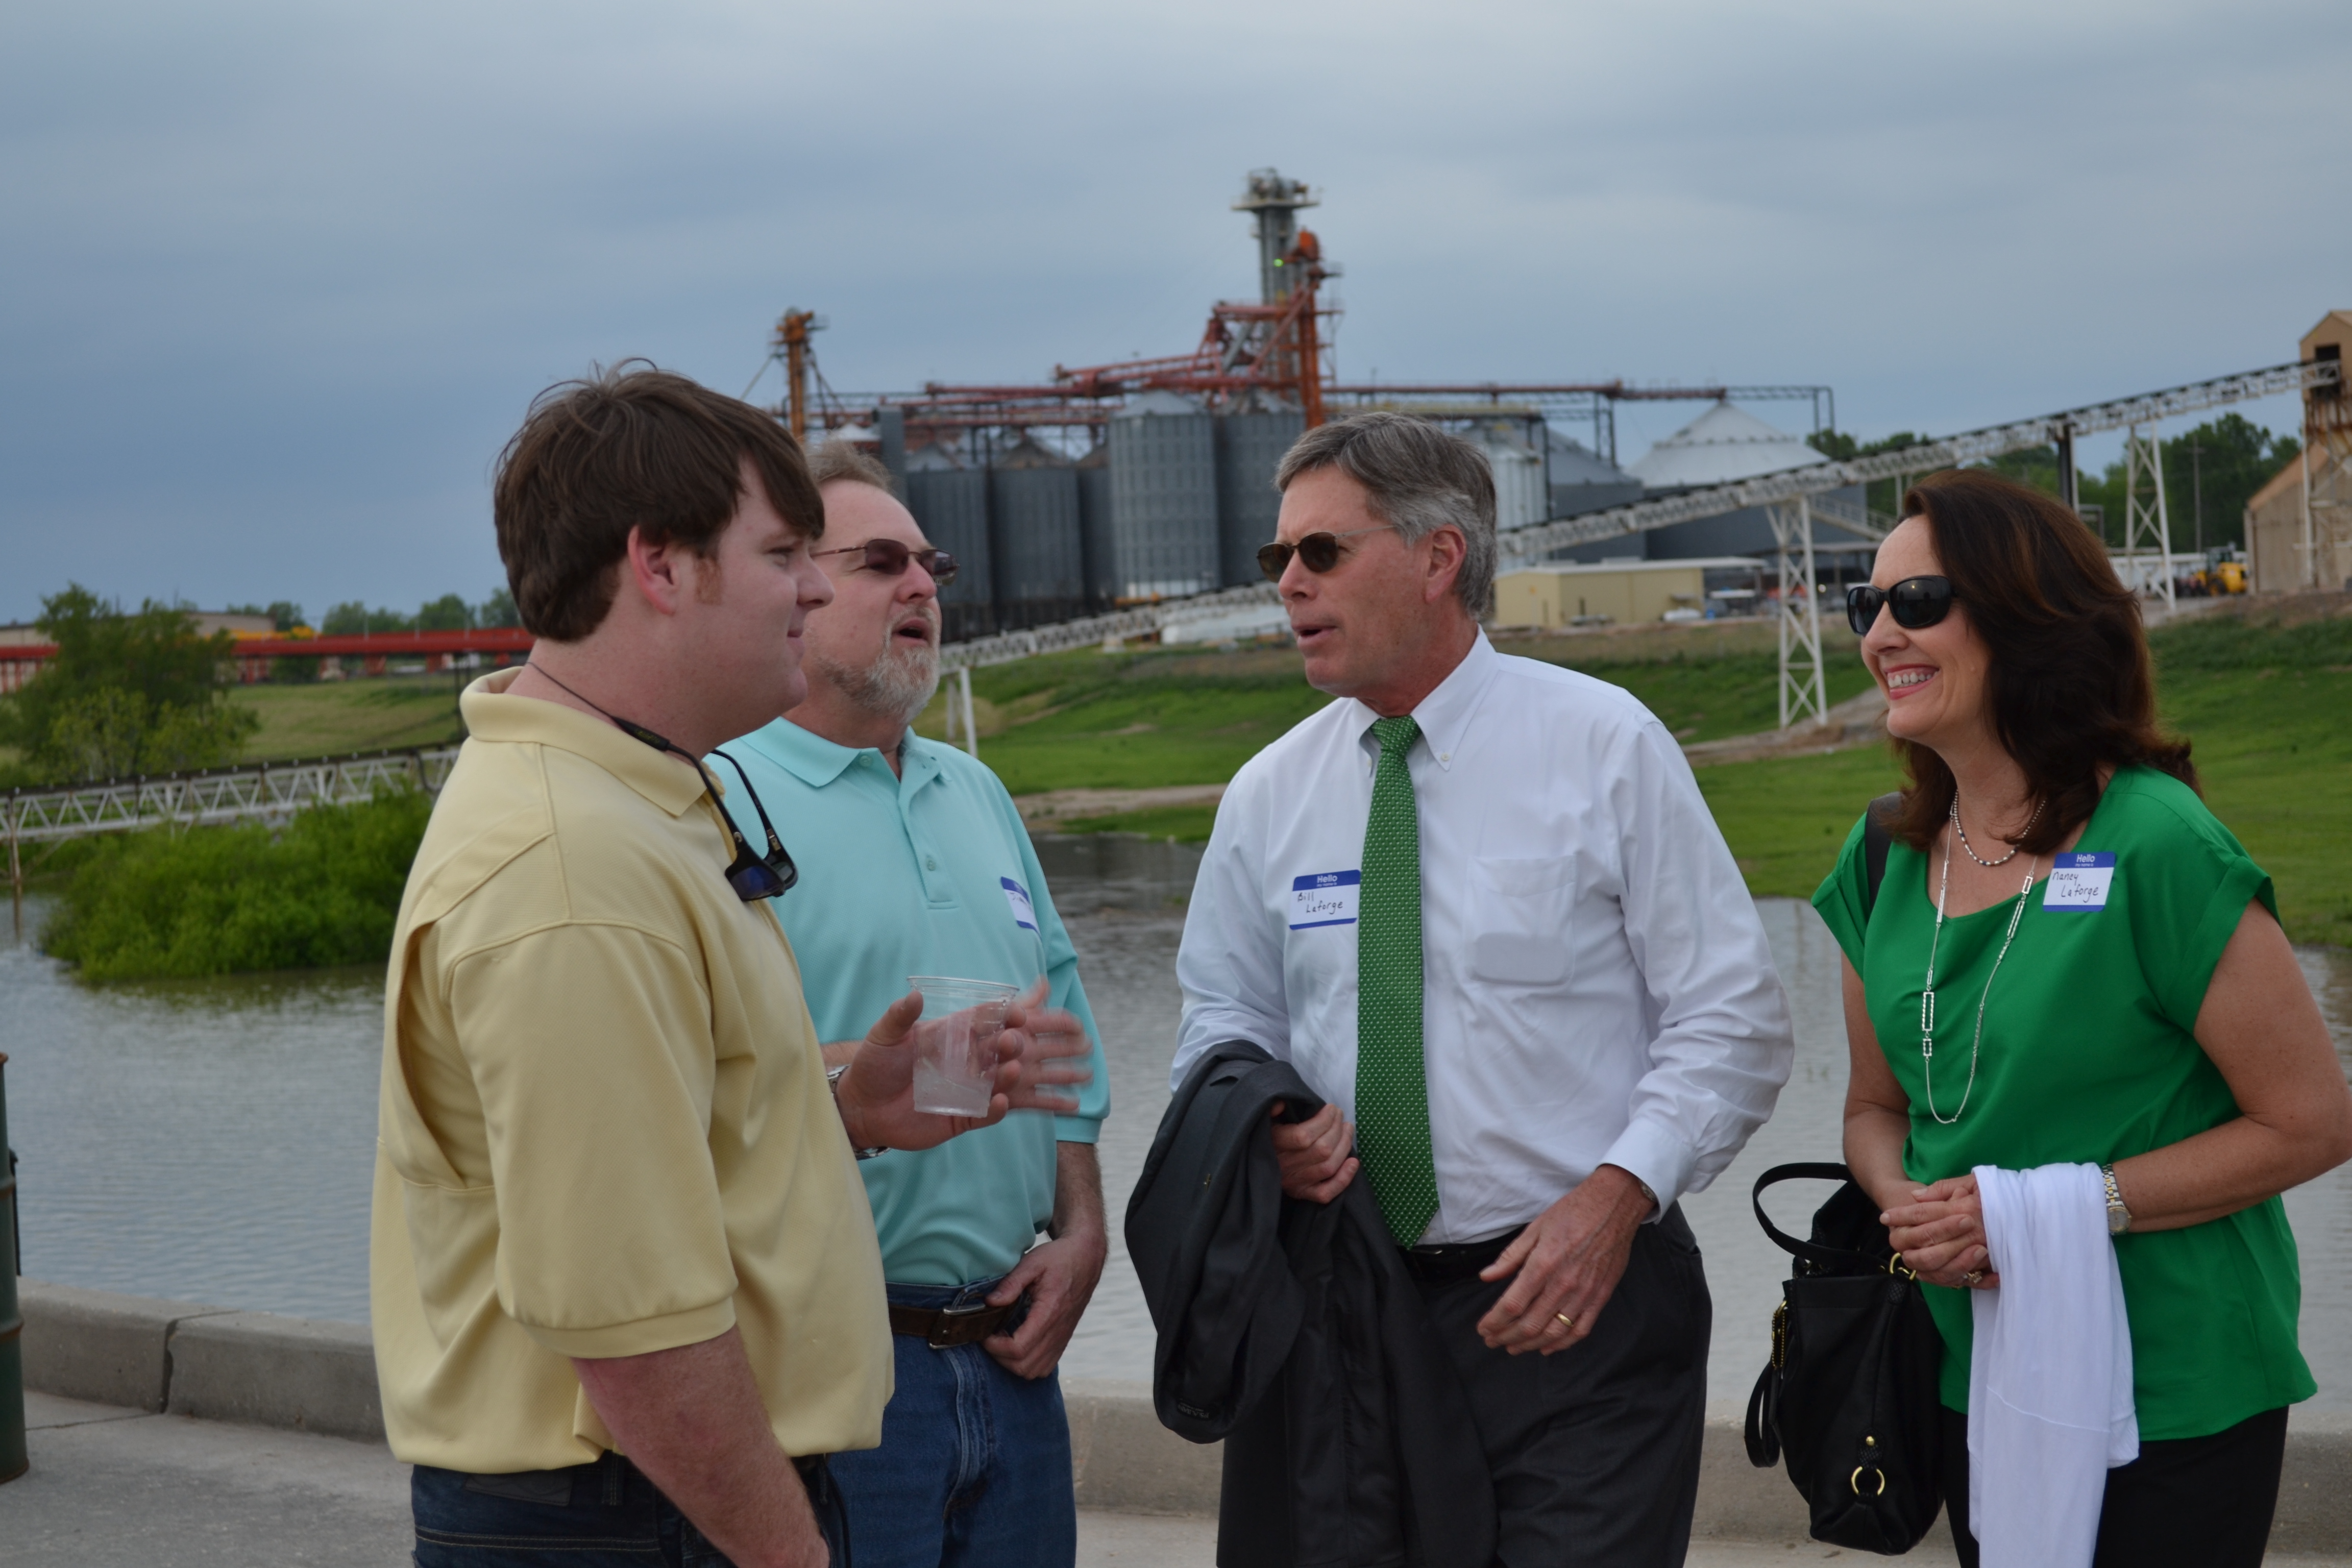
(1292, 1331)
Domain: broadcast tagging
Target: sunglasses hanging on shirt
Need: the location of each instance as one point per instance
(753, 876)
(1916, 602)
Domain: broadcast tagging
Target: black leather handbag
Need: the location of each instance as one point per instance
(1850, 1394)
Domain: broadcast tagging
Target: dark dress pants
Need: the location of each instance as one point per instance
(2186, 1502)
(1594, 1451)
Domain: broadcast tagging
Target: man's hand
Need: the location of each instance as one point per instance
(1060, 1276)
(1052, 1046)
(877, 1095)
(1315, 1155)
(1567, 1261)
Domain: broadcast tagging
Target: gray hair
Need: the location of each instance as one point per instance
(1417, 477)
(838, 461)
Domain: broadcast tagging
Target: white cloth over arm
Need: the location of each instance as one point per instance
(2050, 1384)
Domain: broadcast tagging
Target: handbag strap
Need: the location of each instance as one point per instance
(1832, 1257)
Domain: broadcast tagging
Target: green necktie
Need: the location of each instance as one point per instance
(1392, 1089)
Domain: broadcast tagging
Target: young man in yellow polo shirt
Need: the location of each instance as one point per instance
(617, 1208)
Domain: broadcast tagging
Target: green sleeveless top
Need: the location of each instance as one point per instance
(2088, 1056)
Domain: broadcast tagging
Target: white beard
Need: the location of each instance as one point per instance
(897, 684)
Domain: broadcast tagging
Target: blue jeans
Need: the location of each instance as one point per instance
(600, 1515)
(975, 1467)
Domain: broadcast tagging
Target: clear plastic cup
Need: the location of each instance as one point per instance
(955, 1063)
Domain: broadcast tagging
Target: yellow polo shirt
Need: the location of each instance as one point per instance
(604, 1126)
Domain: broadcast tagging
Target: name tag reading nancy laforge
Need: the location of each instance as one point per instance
(2079, 881)
(1325, 899)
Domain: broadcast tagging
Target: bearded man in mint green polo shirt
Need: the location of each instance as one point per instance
(913, 860)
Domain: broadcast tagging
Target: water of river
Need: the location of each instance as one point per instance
(212, 1140)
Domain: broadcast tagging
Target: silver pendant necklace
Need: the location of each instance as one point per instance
(1980, 859)
(1927, 994)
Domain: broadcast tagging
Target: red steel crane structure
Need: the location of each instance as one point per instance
(1267, 353)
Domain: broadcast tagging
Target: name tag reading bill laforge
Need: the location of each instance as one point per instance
(2079, 881)
(1325, 899)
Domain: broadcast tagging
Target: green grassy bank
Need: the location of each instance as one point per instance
(2268, 704)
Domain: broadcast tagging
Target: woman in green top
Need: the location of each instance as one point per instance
(2141, 1010)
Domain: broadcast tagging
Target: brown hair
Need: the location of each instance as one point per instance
(2069, 688)
(629, 447)
(840, 462)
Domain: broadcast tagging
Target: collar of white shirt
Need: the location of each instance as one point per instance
(1445, 713)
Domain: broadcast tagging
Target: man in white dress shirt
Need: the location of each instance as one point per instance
(1479, 901)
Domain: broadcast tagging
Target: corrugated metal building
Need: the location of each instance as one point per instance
(1249, 450)
(1036, 538)
(1095, 528)
(950, 500)
(1163, 483)
(1522, 495)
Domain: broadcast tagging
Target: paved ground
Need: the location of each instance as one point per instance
(116, 1488)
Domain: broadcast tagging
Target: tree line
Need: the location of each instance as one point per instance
(2210, 473)
(142, 691)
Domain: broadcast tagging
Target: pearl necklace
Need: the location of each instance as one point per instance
(1980, 859)
(1927, 994)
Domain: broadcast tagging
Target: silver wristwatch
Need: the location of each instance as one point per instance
(2118, 1217)
(833, 1082)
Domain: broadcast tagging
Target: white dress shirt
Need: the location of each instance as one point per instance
(1597, 986)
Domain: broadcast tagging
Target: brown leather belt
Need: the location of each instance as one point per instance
(943, 1327)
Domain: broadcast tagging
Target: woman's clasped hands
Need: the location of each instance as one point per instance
(1940, 1233)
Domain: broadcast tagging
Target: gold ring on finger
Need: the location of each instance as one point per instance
(1972, 1279)
(1566, 1322)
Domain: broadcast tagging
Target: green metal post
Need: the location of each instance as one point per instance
(12, 1321)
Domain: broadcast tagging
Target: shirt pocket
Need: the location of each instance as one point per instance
(1520, 919)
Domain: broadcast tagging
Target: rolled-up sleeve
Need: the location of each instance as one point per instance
(1230, 963)
(1724, 1047)
(596, 1081)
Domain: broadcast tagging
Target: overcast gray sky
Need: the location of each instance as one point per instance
(282, 277)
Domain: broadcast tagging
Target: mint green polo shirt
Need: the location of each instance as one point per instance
(928, 873)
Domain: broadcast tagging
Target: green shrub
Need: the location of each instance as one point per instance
(322, 890)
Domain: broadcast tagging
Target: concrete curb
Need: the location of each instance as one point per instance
(265, 1371)
(262, 1369)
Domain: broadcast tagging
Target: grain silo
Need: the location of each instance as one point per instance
(1036, 538)
(1521, 495)
(1163, 485)
(1249, 449)
(950, 500)
(1101, 548)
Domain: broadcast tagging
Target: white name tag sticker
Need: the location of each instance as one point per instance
(1325, 899)
(2079, 881)
(1024, 913)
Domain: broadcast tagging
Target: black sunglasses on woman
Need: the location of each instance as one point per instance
(1916, 602)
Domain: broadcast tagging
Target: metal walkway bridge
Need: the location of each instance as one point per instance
(263, 792)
